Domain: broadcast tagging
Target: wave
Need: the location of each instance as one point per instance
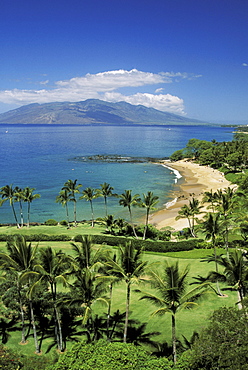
(176, 172)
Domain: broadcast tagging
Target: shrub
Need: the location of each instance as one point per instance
(103, 355)
(63, 223)
(9, 360)
(51, 222)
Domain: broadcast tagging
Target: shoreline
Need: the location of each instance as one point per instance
(191, 180)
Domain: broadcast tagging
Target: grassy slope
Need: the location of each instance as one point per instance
(187, 321)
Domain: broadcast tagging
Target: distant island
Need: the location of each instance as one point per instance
(93, 111)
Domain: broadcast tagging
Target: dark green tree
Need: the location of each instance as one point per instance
(72, 188)
(129, 268)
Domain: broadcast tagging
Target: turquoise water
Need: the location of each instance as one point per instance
(40, 156)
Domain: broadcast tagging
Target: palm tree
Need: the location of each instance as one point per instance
(72, 188)
(189, 212)
(86, 256)
(212, 227)
(8, 193)
(127, 200)
(172, 294)
(54, 268)
(28, 197)
(63, 198)
(130, 269)
(18, 193)
(20, 261)
(89, 194)
(88, 289)
(185, 212)
(225, 205)
(105, 191)
(209, 197)
(149, 202)
(235, 272)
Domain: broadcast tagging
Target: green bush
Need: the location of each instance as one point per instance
(104, 355)
(63, 223)
(147, 245)
(9, 360)
(51, 222)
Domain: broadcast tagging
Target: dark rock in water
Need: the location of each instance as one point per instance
(114, 158)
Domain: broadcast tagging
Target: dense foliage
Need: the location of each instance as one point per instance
(103, 355)
(230, 156)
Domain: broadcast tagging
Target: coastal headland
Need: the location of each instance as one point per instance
(195, 181)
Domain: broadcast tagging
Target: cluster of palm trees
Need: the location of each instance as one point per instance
(71, 188)
(16, 194)
(56, 290)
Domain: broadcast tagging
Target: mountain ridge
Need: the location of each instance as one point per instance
(92, 111)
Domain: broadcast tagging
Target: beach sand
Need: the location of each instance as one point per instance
(195, 181)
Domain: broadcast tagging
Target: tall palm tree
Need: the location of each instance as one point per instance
(89, 194)
(127, 200)
(172, 296)
(18, 193)
(212, 227)
(53, 268)
(63, 198)
(226, 200)
(20, 260)
(130, 269)
(8, 193)
(148, 202)
(105, 192)
(72, 188)
(28, 197)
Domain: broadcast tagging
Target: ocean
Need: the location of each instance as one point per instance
(42, 157)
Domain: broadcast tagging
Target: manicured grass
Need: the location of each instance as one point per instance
(84, 228)
(187, 320)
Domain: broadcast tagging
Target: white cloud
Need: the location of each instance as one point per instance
(44, 82)
(245, 65)
(163, 102)
(159, 90)
(104, 86)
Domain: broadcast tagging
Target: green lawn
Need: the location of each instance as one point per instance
(187, 321)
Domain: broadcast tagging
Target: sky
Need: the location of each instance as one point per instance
(188, 57)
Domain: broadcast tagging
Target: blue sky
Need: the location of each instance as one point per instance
(188, 57)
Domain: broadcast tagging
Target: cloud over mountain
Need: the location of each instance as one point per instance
(104, 86)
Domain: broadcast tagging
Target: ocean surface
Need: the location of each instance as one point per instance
(41, 157)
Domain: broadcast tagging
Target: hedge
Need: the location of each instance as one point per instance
(39, 237)
(147, 245)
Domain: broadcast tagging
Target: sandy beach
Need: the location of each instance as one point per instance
(195, 181)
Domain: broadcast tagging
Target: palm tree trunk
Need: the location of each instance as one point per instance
(23, 341)
(67, 215)
(106, 207)
(127, 312)
(92, 214)
(146, 224)
(21, 212)
(28, 220)
(37, 347)
(173, 327)
(14, 212)
(131, 219)
(109, 308)
(57, 325)
(75, 213)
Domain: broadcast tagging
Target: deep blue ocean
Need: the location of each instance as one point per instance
(40, 156)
